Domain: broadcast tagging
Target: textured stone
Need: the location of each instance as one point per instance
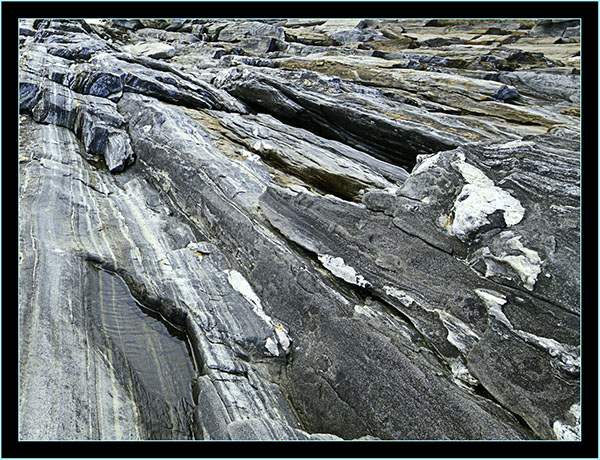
(154, 50)
(319, 229)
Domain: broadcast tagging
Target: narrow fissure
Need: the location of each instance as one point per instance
(481, 391)
(399, 152)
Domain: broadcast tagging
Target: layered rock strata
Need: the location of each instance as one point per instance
(341, 229)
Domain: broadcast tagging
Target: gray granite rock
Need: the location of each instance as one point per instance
(153, 50)
(236, 31)
(95, 120)
(471, 244)
(319, 230)
(356, 35)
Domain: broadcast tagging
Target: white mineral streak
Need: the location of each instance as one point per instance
(575, 410)
(564, 208)
(400, 295)
(391, 190)
(371, 313)
(459, 333)
(567, 354)
(527, 265)
(461, 375)
(494, 301)
(264, 146)
(272, 347)
(510, 145)
(241, 285)
(250, 156)
(425, 162)
(338, 267)
(472, 174)
(362, 310)
(567, 432)
(282, 336)
(478, 199)
(491, 298)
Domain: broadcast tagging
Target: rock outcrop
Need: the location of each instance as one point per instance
(299, 229)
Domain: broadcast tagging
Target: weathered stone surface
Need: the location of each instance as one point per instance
(153, 50)
(309, 100)
(445, 289)
(95, 120)
(339, 229)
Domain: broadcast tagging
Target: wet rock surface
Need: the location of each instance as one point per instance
(299, 229)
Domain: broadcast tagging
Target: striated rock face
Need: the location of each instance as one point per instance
(299, 229)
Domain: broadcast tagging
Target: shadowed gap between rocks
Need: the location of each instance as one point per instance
(482, 391)
(401, 151)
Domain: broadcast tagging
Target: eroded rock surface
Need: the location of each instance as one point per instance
(348, 229)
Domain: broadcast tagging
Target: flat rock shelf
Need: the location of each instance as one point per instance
(299, 229)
